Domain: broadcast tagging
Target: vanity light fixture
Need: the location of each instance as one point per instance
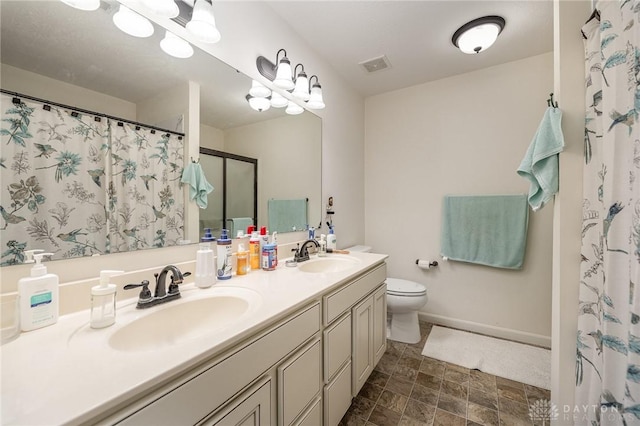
(259, 90)
(301, 89)
(173, 45)
(278, 101)
(293, 108)
(259, 103)
(280, 74)
(315, 98)
(203, 24)
(478, 35)
(164, 8)
(87, 5)
(132, 23)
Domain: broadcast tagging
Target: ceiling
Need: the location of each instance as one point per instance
(414, 35)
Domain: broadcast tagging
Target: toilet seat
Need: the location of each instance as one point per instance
(405, 288)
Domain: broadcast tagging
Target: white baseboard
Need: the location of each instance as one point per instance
(489, 330)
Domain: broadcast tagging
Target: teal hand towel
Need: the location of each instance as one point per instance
(540, 163)
(285, 215)
(490, 229)
(199, 188)
(238, 224)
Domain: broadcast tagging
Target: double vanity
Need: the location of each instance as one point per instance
(286, 347)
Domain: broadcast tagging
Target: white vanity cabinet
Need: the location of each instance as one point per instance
(355, 319)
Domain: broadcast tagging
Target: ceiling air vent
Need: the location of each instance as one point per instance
(376, 64)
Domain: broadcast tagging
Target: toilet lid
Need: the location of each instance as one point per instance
(398, 287)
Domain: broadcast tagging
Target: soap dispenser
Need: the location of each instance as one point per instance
(38, 294)
(205, 261)
(103, 301)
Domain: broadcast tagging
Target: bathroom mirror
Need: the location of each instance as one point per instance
(134, 79)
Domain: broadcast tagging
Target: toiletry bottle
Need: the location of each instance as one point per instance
(254, 250)
(38, 296)
(242, 257)
(331, 240)
(205, 261)
(274, 241)
(103, 301)
(264, 237)
(322, 251)
(269, 257)
(224, 256)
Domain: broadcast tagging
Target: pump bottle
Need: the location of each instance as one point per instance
(103, 301)
(224, 256)
(205, 261)
(331, 240)
(39, 305)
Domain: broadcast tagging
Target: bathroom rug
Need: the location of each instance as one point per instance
(511, 360)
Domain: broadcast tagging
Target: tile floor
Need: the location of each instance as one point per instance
(407, 388)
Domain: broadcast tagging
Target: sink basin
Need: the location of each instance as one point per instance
(328, 264)
(182, 320)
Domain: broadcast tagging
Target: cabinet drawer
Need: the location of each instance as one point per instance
(337, 346)
(204, 393)
(339, 301)
(337, 396)
(298, 382)
(252, 408)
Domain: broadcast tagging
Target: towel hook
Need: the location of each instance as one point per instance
(550, 101)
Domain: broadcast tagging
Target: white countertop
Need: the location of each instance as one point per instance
(68, 373)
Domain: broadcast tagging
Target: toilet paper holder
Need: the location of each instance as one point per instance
(425, 264)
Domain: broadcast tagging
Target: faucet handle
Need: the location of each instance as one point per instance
(145, 293)
(173, 287)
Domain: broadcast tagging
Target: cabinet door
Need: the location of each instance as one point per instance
(362, 356)
(379, 323)
(252, 408)
(299, 382)
(337, 396)
(313, 416)
(337, 346)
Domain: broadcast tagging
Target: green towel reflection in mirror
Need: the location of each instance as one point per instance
(287, 215)
(199, 187)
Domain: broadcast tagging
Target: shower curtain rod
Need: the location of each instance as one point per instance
(85, 111)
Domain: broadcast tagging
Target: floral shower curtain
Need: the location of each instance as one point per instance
(77, 184)
(608, 340)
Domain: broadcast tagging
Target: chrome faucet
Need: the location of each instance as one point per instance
(302, 253)
(161, 295)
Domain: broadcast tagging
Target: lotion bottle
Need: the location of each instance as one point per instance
(103, 301)
(39, 305)
(254, 251)
(224, 256)
(205, 261)
(322, 251)
(331, 240)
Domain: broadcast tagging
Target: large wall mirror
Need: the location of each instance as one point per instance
(54, 52)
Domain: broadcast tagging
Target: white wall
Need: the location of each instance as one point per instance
(211, 137)
(460, 135)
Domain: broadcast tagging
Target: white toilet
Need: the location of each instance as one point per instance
(404, 300)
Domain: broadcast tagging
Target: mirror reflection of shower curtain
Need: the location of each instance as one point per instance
(53, 184)
(145, 197)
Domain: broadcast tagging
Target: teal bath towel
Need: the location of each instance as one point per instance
(490, 229)
(540, 163)
(285, 215)
(199, 188)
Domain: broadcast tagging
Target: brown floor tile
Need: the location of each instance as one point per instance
(408, 421)
(395, 348)
(378, 378)
(482, 415)
(419, 411)
(487, 400)
(452, 404)
(370, 391)
(515, 394)
(470, 423)
(399, 385)
(454, 389)
(443, 418)
(382, 416)
(433, 367)
(361, 407)
(513, 408)
(426, 395)
(456, 376)
(501, 382)
(410, 361)
(458, 368)
(509, 420)
(405, 372)
(483, 381)
(535, 393)
(351, 419)
(393, 401)
(415, 352)
(387, 363)
(428, 381)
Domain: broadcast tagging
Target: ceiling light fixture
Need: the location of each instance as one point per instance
(164, 8)
(479, 34)
(173, 45)
(132, 23)
(259, 90)
(315, 99)
(301, 89)
(293, 108)
(87, 5)
(203, 24)
(258, 103)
